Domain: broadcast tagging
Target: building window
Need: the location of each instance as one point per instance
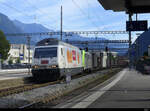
(61, 51)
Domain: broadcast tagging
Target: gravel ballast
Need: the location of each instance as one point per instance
(52, 91)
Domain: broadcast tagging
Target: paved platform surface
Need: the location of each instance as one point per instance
(128, 89)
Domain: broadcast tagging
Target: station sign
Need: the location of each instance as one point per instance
(137, 25)
(21, 56)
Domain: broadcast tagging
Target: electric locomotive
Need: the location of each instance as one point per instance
(53, 59)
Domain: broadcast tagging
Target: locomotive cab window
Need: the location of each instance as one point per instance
(45, 52)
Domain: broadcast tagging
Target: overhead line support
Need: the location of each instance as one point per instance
(71, 32)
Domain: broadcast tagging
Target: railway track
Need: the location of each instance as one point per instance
(27, 87)
(23, 88)
(50, 99)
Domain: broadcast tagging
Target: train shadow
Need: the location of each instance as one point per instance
(134, 100)
(32, 80)
(142, 71)
(139, 70)
(28, 80)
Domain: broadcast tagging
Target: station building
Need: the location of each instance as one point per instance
(140, 46)
(20, 51)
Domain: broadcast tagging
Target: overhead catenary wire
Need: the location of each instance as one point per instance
(97, 14)
(21, 12)
(98, 17)
(54, 21)
(14, 9)
(68, 26)
(85, 14)
(41, 11)
(88, 7)
(89, 17)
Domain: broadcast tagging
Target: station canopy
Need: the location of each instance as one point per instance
(132, 6)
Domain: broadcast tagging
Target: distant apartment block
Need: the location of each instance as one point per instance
(20, 51)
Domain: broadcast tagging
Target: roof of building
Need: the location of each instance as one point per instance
(15, 46)
(18, 46)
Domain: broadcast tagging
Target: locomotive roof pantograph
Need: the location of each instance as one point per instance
(52, 41)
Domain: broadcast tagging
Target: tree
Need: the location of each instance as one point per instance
(4, 46)
(145, 53)
(10, 61)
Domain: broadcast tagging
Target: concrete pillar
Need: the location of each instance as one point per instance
(68, 78)
(130, 42)
(0, 63)
(149, 50)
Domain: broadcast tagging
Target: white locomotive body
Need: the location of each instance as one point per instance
(54, 59)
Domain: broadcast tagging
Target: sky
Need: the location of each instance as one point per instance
(78, 15)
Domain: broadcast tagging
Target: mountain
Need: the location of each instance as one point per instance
(15, 26)
(7, 26)
(31, 28)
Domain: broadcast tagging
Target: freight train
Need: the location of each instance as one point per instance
(54, 59)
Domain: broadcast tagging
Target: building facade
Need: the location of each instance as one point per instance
(21, 52)
(140, 46)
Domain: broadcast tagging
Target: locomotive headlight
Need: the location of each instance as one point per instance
(35, 67)
(53, 66)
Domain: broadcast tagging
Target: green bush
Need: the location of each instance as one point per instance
(4, 46)
(10, 61)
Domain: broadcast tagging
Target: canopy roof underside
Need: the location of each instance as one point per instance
(133, 6)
